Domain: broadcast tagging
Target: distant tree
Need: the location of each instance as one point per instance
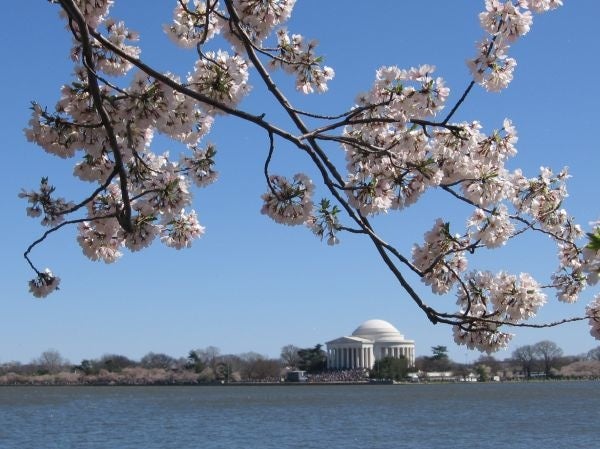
(483, 372)
(588, 369)
(50, 362)
(209, 356)
(438, 361)
(115, 363)
(289, 356)
(390, 368)
(158, 360)
(548, 352)
(462, 370)
(206, 375)
(439, 352)
(222, 371)
(525, 356)
(594, 354)
(193, 362)
(259, 367)
(88, 367)
(235, 365)
(489, 361)
(312, 360)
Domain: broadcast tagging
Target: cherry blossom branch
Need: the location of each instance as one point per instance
(74, 13)
(56, 228)
(395, 151)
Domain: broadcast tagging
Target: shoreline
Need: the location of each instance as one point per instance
(283, 384)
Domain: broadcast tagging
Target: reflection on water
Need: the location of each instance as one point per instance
(521, 415)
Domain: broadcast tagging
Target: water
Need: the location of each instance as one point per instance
(520, 415)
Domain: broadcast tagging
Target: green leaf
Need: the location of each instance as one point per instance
(594, 243)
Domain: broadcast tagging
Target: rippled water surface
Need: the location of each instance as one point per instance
(534, 415)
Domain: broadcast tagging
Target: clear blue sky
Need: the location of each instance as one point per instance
(252, 285)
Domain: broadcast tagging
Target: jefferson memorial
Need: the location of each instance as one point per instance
(372, 340)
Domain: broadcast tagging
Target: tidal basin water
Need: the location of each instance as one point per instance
(512, 415)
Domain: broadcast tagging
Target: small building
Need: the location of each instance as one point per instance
(372, 340)
(296, 376)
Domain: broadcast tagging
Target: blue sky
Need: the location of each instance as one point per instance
(252, 285)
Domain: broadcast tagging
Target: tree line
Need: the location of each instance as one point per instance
(209, 365)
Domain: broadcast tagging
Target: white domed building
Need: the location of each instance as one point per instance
(372, 340)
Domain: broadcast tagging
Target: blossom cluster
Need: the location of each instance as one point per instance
(441, 258)
(297, 58)
(44, 284)
(94, 11)
(288, 203)
(389, 160)
(260, 17)
(495, 300)
(42, 202)
(197, 21)
(222, 78)
(505, 22)
(593, 312)
(193, 24)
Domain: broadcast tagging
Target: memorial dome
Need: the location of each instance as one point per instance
(378, 331)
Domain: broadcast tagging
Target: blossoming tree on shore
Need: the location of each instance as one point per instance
(400, 140)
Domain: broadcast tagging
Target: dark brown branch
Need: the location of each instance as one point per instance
(56, 228)
(75, 14)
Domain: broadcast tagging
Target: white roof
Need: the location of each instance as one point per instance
(350, 340)
(378, 331)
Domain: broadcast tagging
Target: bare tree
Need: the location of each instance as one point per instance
(259, 367)
(51, 361)
(525, 356)
(548, 352)
(158, 360)
(289, 356)
(594, 354)
(115, 363)
(208, 356)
